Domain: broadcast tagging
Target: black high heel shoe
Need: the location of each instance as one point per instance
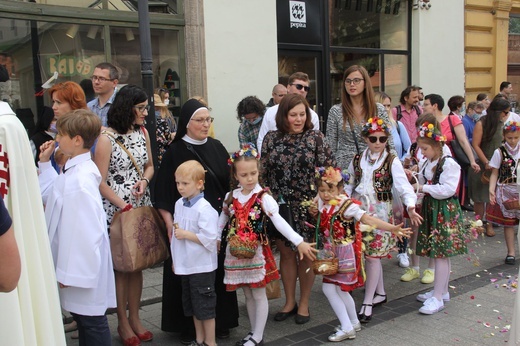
(363, 318)
(381, 302)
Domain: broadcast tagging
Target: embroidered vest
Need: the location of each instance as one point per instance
(507, 168)
(342, 227)
(248, 216)
(382, 177)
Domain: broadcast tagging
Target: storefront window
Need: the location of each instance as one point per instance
(369, 23)
(164, 6)
(72, 50)
(394, 76)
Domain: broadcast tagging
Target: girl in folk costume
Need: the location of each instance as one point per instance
(245, 211)
(381, 184)
(416, 159)
(441, 235)
(503, 187)
(339, 230)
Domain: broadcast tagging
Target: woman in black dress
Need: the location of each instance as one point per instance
(193, 143)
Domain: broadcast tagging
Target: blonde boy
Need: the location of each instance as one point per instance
(194, 250)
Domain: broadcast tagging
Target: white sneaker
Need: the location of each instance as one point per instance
(403, 260)
(431, 306)
(427, 295)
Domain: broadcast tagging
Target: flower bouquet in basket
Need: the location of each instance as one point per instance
(326, 262)
(242, 244)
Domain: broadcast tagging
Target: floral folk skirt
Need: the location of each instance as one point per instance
(441, 234)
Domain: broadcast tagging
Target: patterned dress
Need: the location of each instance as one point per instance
(122, 174)
(382, 187)
(339, 232)
(287, 167)
(258, 271)
(441, 234)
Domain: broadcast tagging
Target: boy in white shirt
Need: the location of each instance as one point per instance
(194, 250)
(76, 222)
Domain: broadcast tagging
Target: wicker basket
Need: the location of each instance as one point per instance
(512, 204)
(242, 248)
(327, 266)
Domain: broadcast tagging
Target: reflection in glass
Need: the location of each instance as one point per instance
(368, 23)
(395, 73)
(289, 64)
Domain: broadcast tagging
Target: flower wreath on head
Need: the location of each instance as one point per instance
(248, 150)
(427, 130)
(375, 124)
(331, 175)
(512, 126)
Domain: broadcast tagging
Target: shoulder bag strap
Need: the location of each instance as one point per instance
(206, 167)
(354, 136)
(126, 151)
(452, 129)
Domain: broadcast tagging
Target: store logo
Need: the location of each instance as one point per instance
(298, 14)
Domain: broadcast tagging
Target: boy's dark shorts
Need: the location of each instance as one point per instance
(199, 298)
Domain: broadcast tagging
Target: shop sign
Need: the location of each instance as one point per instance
(68, 66)
(298, 16)
(299, 21)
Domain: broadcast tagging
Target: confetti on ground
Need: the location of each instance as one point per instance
(477, 275)
(486, 324)
(472, 297)
(452, 287)
(496, 311)
(493, 280)
(479, 305)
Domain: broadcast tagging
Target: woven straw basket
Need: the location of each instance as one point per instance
(242, 248)
(327, 266)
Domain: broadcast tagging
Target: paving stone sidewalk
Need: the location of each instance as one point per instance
(479, 312)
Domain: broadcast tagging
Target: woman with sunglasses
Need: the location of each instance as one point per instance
(346, 119)
(380, 183)
(122, 187)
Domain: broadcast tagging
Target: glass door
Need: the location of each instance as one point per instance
(290, 62)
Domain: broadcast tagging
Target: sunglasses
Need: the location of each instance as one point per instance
(300, 87)
(373, 139)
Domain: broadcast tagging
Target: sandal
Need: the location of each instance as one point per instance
(490, 232)
(510, 260)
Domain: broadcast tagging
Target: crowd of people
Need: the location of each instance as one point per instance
(379, 175)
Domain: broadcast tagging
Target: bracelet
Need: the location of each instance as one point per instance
(126, 208)
(146, 179)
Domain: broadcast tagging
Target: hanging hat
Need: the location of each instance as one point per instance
(189, 109)
(157, 101)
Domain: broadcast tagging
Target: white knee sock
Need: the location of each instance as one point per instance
(337, 305)
(442, 277)
(261, 311)
(349, 304)
(373, 271)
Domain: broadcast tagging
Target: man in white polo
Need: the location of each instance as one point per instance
(298, 84)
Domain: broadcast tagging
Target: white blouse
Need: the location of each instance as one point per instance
(448, 181)
(366, 184)
(269, 206)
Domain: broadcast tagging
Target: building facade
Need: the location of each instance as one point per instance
(225, 50)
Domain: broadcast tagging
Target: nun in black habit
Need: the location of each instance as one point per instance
(193, 143)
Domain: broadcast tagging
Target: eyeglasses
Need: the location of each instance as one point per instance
(141, 109)
(282, 95)
(373, 139)
(100, 79)
(208, 120)
(300, 87)
(356, 81)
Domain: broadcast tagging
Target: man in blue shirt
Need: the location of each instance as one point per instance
(104, 82)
